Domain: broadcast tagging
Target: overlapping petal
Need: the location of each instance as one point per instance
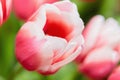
(50, 38)
(100, 53)
(99, 62)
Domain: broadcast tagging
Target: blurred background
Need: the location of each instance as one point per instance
(10, 69)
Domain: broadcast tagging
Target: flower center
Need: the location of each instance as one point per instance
(57, 26)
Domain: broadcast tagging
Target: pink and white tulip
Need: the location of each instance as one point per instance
(115, 74)
(99, 55)
(5, 7)
(51, 38)
(25, 8)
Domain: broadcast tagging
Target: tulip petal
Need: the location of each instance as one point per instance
(28, 7)
(29, 34)
(8, 7)
(110, 33)
(1, 13)
(68, 15)
(115, 74)
(62, 18)
(50, 48)
(71, 51)
(91, 33)
(100, 62)
(5, 8)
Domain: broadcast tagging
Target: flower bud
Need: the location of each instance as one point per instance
(5, 7)
(25, 8)
(100, 54)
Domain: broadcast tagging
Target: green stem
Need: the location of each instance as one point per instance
(16, 70)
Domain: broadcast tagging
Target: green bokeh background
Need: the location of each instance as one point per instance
(10, 69)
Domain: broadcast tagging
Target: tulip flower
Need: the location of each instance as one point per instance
(115, 74)
(5, 7)
(50, 38)
(100, 54)
(25, 8)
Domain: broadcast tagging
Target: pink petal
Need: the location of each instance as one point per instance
(73, 23)
(66, 6)
(92, 31)
(68, 9)
(110, 33)
(8, 8)
(70, 53)
(5, 8)
(115, 75)
(99, 32)
(29, 34)
(50, 48)
(99, 62)
(1, 13)
(28, 7)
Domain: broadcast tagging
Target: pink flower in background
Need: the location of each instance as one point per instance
(100, 55)
(51, 38)
(115, 74)
(5, 7)
(25, 8)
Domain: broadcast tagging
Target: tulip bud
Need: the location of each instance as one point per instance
(25, 8)
(5, 7)
(50, 38)
(99, 62)
(100, 54)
